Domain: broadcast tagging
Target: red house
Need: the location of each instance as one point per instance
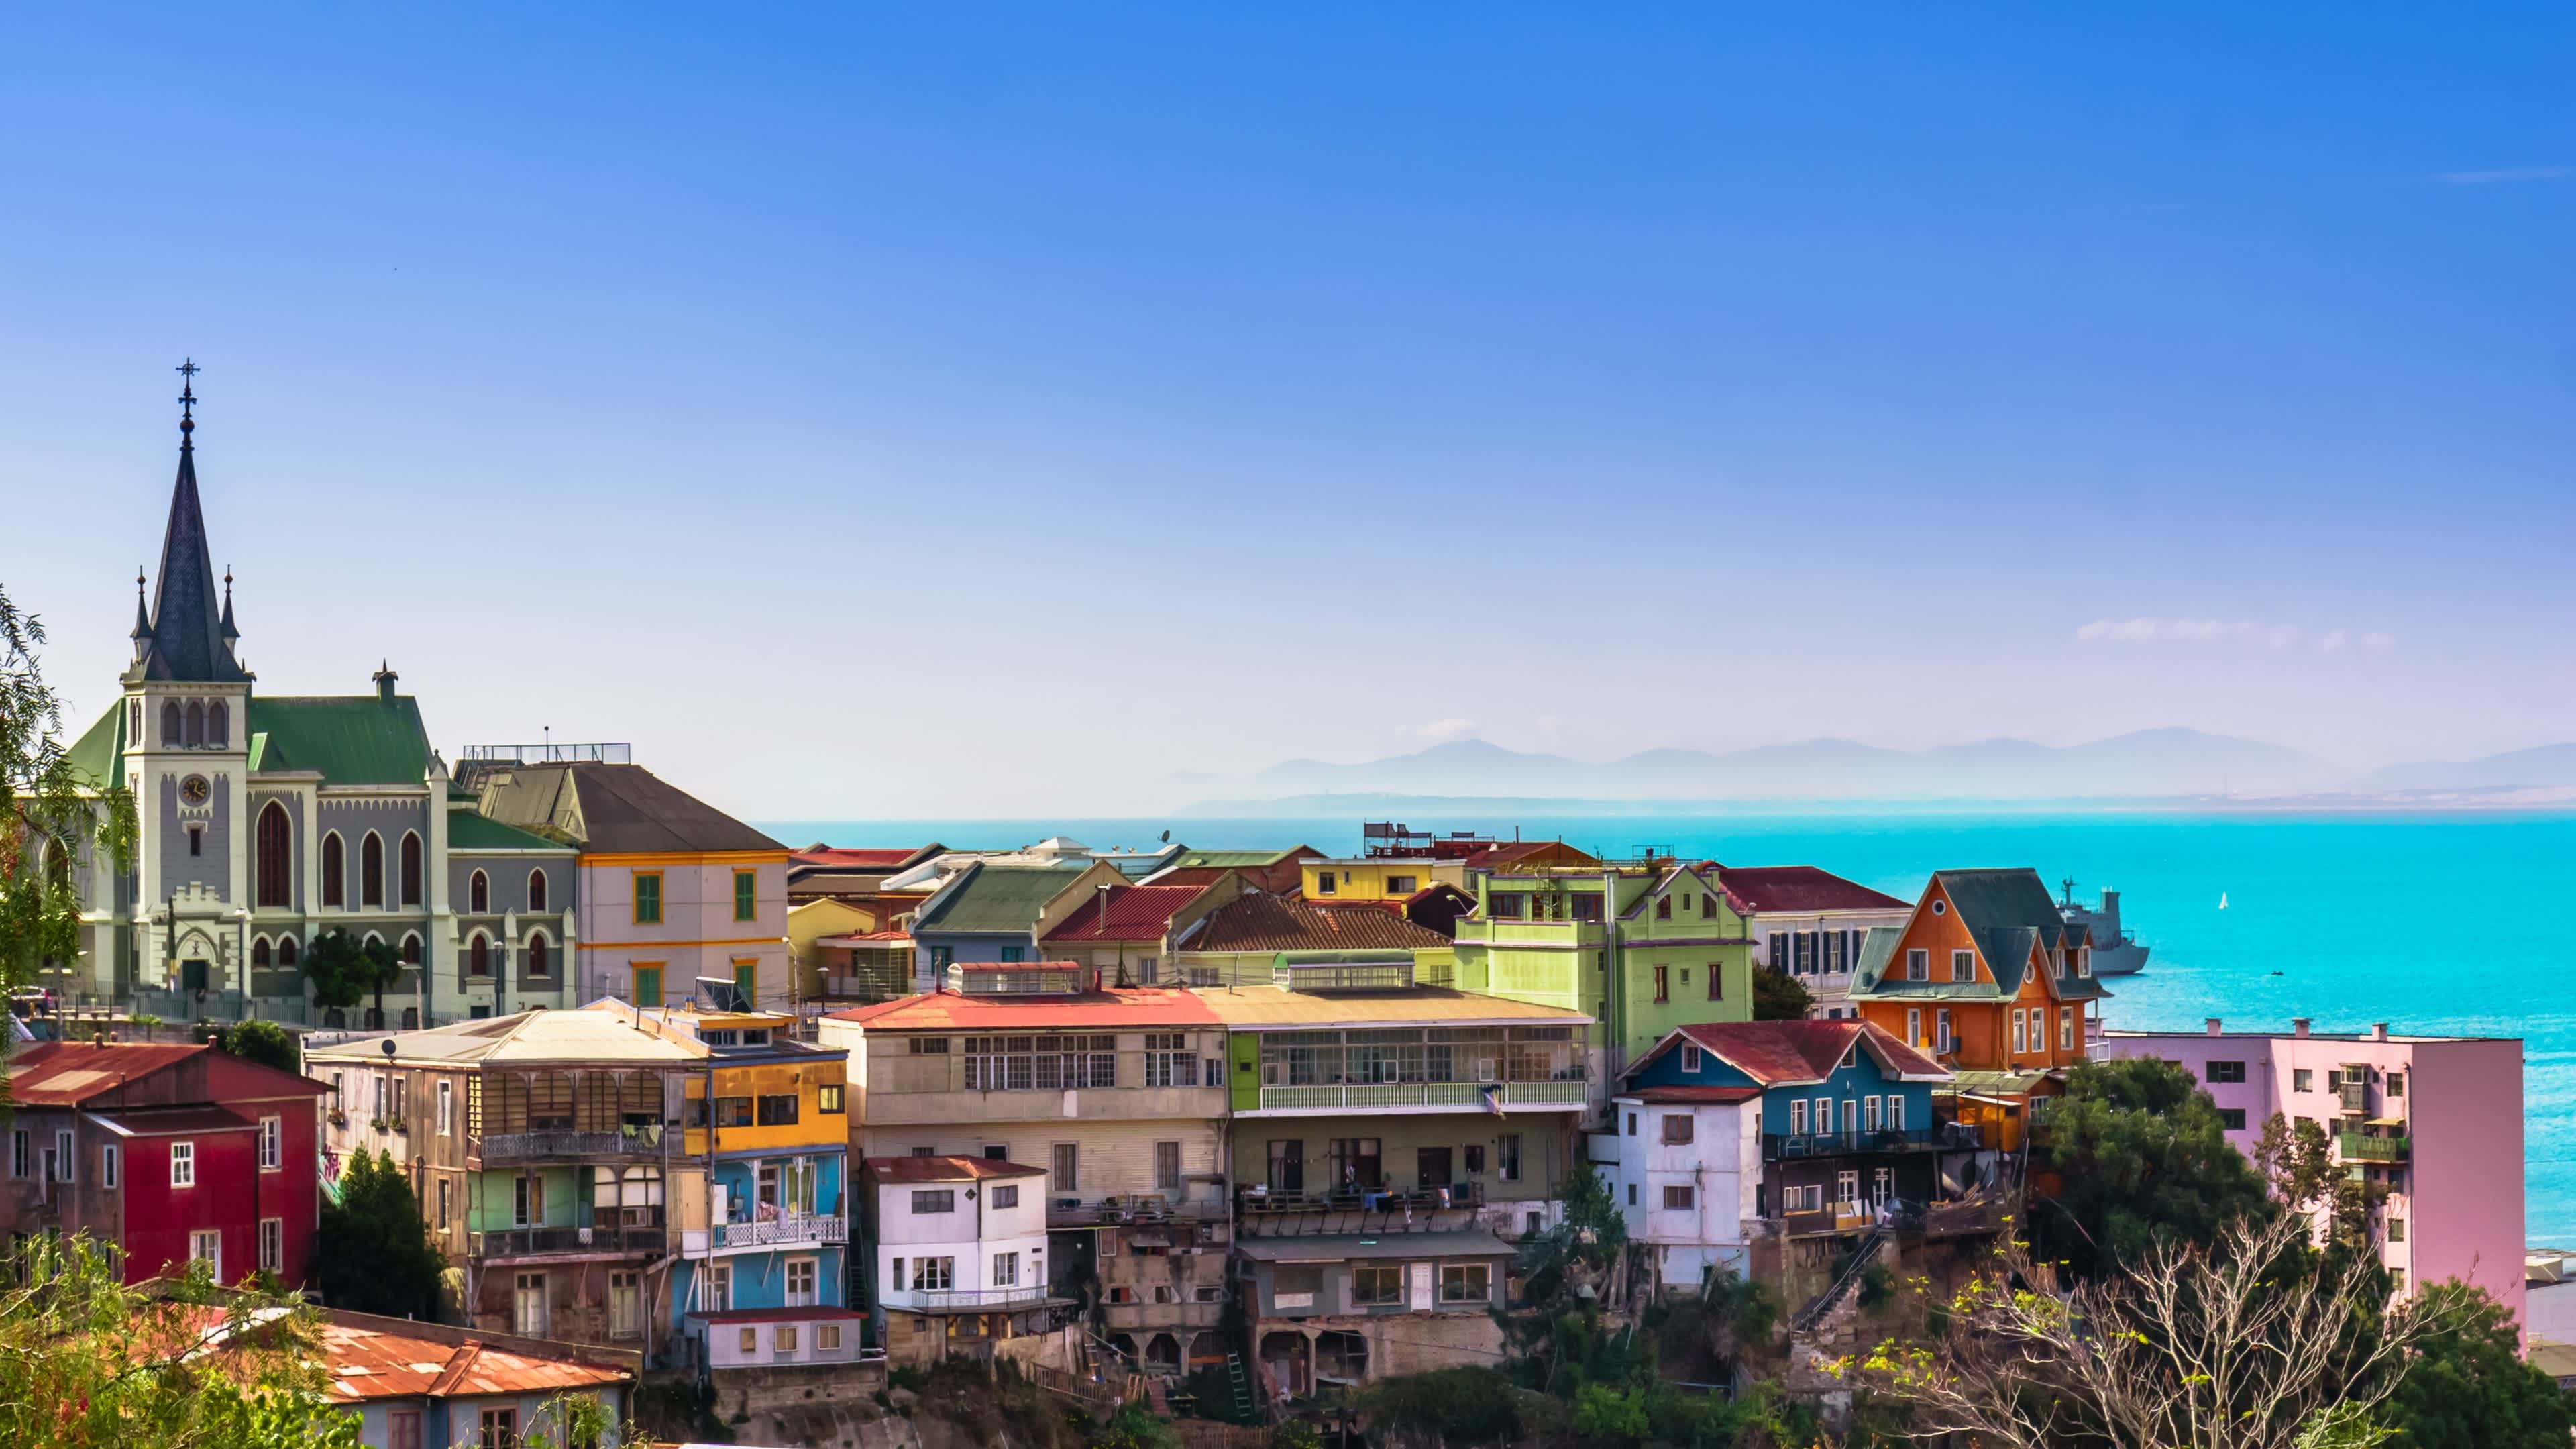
(169, 1152)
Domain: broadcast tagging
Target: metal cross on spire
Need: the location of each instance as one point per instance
(188, 395)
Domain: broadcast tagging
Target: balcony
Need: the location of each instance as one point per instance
(557, 1142)
(1423, 1096)
(1508, 931)
(1365, 1199)
(964, 1300)
(529, 1242)
(1791, 1146)
(795, 1229)
(2361, 1147)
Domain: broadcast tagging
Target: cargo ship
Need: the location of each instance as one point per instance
(2115, 951)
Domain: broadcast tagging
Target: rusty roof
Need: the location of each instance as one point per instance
(1126, 913)
(948, 1169)
(1800, 888)
(369, 1363)
(948, 1011)
(1259, 921)
(66, 1074)
(1261, 1008)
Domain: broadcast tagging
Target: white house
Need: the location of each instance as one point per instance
(960, 1251)
(1808, 924)
(1686, 1166)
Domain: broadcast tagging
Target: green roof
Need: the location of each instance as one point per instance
(469, 830)
(94, 754)
(995, 898)
(361, 739)
(1233, 859)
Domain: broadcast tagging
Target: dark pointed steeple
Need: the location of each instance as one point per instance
(142, 613)
(230, 633)
(191, 639)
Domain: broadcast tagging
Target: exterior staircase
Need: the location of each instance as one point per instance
(1844, 1282)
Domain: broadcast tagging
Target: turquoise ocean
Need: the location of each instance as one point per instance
(2437, 923)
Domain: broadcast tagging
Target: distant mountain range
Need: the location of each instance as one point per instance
(2143, 764)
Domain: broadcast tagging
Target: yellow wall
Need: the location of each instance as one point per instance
(1363, 880)
(813, 1127)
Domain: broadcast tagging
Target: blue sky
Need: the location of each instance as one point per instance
(935, 411)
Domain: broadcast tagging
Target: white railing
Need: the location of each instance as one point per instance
(796, 1228)
(1466, 1095)
(934, 1300)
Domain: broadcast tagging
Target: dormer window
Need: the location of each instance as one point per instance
(1690, 1060)
(2083, 961)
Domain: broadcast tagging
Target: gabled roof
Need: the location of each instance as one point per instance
(94, 754)
(1799, 888)
(1514, 852)
(606, 1035)
(2010, 916)
(614, 810)
(1797, 1053)
(367, 1361)
(1085, 1011)
(994, 899)
(1126, 913)
(1258, 921)
(947, 1169)
(351, 739)
(470, 829)
(72, 1074)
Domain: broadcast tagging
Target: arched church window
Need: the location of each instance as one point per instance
(478, 893)
(411, 950)
(286, 952)
(219, 724)
(196, 723)
(371, 872)
(536, 890)
(276, 857)
(410, 869)
(335, 887)
(478, 957)
(259, 954)
(539, 963)
(134, 721)
(174, 730)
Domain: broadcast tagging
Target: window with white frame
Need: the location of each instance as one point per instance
(800, 1282)
(206, 1245)
(1918, 964)
(183, 1164)
(2016, 1029)
(110, 1164)
(1914, 1026)
(1797, 1116)
(1942, 1040)
(272, 1153)
(63, 1155)
(1169, 1059)
(1869, 1110)
(1006, 1270)
(933, 1275)
(1824, 1114)
(1895, 1113)
(1677, 1197)
(1466, 1283)
(1690, 1059)
(2066, 1028)
(272, 1245)
(1963, 965)
(447, 1109)
(1041, 1063)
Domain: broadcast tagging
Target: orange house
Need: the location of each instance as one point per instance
(1985, 975)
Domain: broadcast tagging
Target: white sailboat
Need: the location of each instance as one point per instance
(2222, 900)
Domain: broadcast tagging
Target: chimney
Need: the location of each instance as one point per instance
(2298, 1026)
(2379, 1031)
(2213, 1026)
(385, 678)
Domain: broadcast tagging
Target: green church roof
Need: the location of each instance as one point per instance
(469, 829)
(94, 754)
(362, 739)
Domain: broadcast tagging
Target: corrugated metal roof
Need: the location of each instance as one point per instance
(358, 739)
(948, 1011)
(1259, 921)
(1801, 888)
(601, 1032)
(996, 899)
(1126, 913)
(947, 1169)
(367, 1363)
(1255, 1008)
(614, 810)
(66, 1074)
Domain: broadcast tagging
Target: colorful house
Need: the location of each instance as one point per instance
(958, 1253)
(1276, 871)
(1809, 925)
(1643, 946)
(1841, 1112)
(171, 1153)
(988, 913)
(1246, 941)
(672, 889)
(1984, 975)
(1125, 932)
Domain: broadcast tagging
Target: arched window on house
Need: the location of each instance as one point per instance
(259, 957)
(478, 894)
(371, 872)
(286, 953)
(219, 725)
(478, 957)
(536, 890)
(411, 950)
(276, 858)
(411, 868)
(335, 884)
(539, 963)
(196, 723)
(174, 730)
(134, 721)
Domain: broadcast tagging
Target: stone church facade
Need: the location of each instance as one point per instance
(265, 821)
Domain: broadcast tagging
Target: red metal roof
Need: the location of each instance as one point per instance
(948, 1169)
(948, 1011)
(374, 1358)
(1774, 1052)
(1258, 921)
(833, 857)
(176, 1121)
(66, 1074)
(1129, 913)
(1683, 1096)
(1795, 888)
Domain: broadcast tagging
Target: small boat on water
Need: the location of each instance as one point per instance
(2115, 951)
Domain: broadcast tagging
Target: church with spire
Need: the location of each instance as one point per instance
(266, 821)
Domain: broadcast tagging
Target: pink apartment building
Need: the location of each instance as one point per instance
(2437, 1120)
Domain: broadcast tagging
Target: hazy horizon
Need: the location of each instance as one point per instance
(946, 413)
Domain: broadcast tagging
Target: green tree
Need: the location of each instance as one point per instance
(264, 1042)
(89, 1363)
(2296, 1159)
(1555, 1261)
(2467, 1386)
(1778, 998)
(344, 970)
(51, 817)
(2142, 1160)
(372, 1250)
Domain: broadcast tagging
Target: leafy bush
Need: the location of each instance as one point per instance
(1468, 1405)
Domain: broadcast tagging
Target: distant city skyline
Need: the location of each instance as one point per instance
(948, 414)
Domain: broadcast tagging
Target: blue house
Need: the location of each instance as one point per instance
(1843, 1112)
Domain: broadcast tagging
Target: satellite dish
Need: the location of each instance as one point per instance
(1167, 837)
